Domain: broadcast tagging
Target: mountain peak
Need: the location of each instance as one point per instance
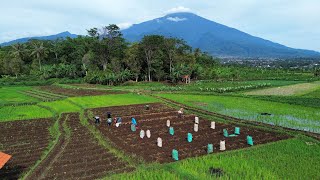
(62, 35)
(214, 38)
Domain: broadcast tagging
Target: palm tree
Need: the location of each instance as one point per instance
(39, 51)
(18, 50)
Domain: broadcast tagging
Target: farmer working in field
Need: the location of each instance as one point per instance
(109, 119)
(119, 120)
(97, 118)
(180, 113)
(133, 121)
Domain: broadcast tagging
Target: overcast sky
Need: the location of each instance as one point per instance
(294, 23)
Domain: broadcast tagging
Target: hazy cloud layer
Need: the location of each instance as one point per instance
(293, 23)
(176, 19)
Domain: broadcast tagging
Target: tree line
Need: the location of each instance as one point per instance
(104, 56)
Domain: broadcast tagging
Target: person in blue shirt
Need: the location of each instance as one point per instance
(133, 121)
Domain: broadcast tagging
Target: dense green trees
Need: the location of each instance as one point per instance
(103, 56)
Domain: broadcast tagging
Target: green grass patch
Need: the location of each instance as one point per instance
(313, 94)
(61, 106)
(112, 100)
(289, 159)
(295, 100)
(286, 115)
(290, 90)
(9, 113)
(10, 95)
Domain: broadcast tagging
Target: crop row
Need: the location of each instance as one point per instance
(44, 96)
(210, 89)
(25, 141)
(146, 148)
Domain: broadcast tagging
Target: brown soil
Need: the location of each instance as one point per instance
(155, 120)
(25, 141)
(79, 156)
(76, 92)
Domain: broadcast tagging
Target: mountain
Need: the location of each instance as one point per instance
(62, 35)
(214, 38)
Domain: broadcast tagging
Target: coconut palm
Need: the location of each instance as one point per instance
(18, 50)
(39, 51)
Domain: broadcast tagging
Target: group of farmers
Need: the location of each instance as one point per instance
(118, 120)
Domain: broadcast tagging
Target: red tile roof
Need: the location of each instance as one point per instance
(4, 158)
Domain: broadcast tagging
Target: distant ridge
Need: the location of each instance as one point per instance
(62, 35)
(212, 37)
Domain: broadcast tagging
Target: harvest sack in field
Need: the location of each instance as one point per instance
(237, 130)
(210, 148)
(148, 133)
(159, 142)
(171, 131)
(196, 120)
(250, 140)
(225, 133)
(133, 128)
(175, 155)
(213, 125)
(222, 145)
(180, 113)
(196, 127)
(189, 138)
(142, 134)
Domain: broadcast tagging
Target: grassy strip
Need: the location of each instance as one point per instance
(12, 113)
(66, 128)
(288, 159)
(49, 93)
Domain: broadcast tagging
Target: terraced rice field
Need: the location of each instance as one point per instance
(155, 121)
